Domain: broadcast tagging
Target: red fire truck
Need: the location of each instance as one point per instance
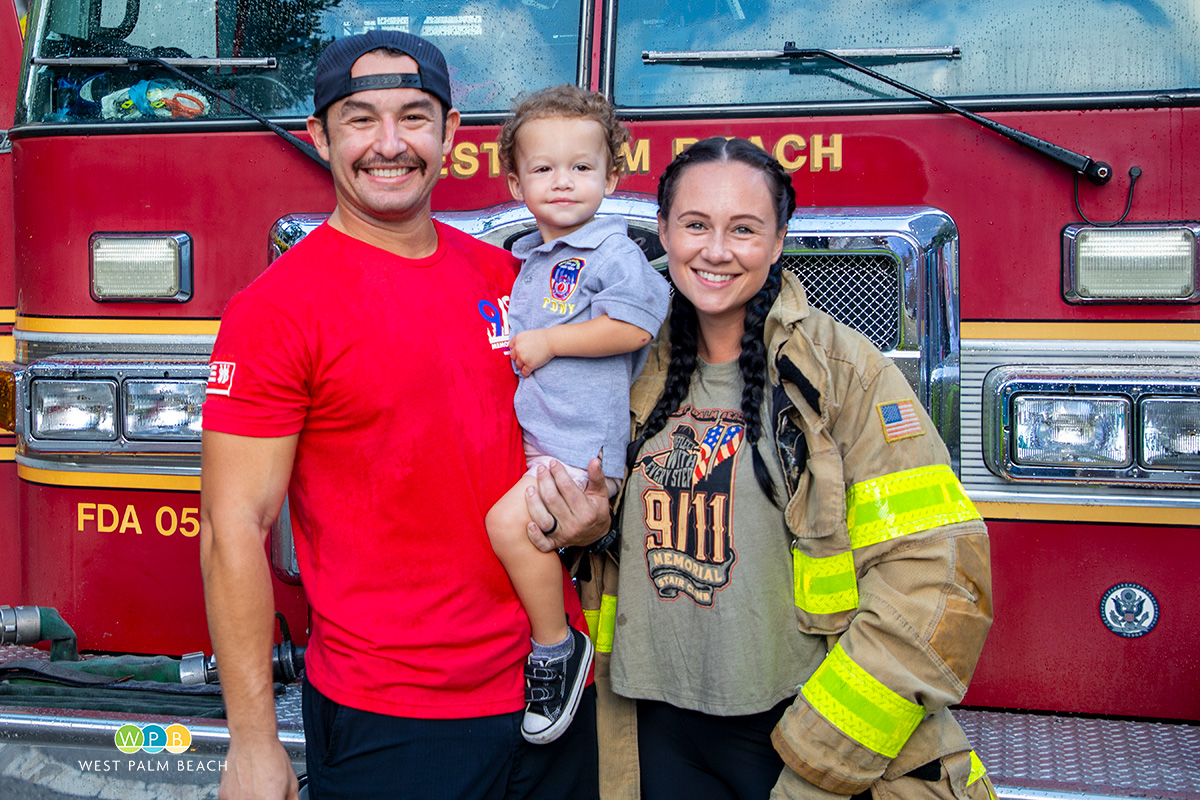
(1002, 196)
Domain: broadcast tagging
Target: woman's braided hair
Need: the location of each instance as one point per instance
(684, 324)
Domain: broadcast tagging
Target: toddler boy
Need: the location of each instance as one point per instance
(583, 308)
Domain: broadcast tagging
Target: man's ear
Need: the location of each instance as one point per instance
(317, 131)
(453, 119)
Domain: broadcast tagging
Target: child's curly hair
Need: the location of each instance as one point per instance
(561, 101)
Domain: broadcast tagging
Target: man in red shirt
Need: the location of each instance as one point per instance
(360, 376)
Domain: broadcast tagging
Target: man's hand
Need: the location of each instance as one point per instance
(258, 771)
(530, 350)
(573, 517)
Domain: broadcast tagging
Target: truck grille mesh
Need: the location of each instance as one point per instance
(861, 290)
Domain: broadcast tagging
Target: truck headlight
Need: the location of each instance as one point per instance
(141, 266)
(1171, 433)
(1142, 263)
(157, 410)
(77, 410)
(1071, 431)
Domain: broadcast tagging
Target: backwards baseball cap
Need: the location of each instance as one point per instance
(332, 81)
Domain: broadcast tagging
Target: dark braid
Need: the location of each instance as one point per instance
(753, 365)
(684, 357)
(752, 361)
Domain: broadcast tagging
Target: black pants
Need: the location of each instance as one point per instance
(358, 754)
(690, 754)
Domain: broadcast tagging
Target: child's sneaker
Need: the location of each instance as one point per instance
(552, 691)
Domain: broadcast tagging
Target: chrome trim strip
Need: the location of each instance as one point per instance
(64, 727)
(979, 356)
(34, 346)
(284, 563)
(608, 49)
(33, 41)
(587, 22)
(1149, 100)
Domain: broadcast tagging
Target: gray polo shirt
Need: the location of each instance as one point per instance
(572, 407)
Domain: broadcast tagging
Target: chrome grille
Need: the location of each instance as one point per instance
(861, 290)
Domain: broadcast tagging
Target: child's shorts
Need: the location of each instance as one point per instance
(534, 458)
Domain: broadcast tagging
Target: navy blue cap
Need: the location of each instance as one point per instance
(332, 81)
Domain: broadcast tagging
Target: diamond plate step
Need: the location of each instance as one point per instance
(1040, 756)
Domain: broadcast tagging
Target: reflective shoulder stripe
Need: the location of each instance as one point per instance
(905, 502)
(885, 508)
(978, 770)
(860, 706)
(602, 622)
(824, 585)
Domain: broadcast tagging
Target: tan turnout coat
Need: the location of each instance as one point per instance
(923, 580)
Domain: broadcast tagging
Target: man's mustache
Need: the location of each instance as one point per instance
(416, 162)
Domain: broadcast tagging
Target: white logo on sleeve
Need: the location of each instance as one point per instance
(220, 377)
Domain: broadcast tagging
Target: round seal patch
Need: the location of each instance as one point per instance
(1129, 610)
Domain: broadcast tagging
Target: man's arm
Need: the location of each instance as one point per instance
(244, 482)
(593, 338)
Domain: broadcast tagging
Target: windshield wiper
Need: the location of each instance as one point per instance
(173, 65)
(113, 61)
(867, 53)
(1098, 172)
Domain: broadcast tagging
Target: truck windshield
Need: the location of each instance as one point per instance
(1020, 48)
(495, 48)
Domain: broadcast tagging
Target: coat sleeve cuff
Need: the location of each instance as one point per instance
(821, 754)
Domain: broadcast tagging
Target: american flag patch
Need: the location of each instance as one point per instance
(220, 377)
(900, 420)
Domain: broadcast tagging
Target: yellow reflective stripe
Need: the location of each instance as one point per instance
(860, 706)
(905, 502)
(602, 622)
(878, 510)
(824, 585)
(591, 616)
(978, 770)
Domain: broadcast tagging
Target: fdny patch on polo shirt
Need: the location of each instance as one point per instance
(220, 377)
(900, 420)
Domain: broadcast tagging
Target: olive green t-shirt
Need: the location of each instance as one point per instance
(705, 617)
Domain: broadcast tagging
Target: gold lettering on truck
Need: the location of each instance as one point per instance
(819, 152)
(463, 161)
(787, 143)
(636, 159)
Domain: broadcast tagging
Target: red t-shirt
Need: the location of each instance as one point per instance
(394, 373)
